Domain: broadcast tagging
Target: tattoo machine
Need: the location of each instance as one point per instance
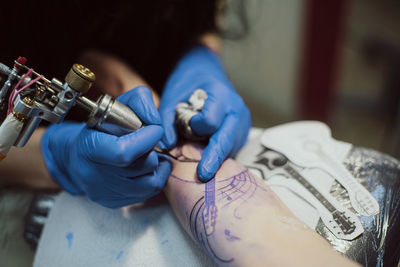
(27, 98)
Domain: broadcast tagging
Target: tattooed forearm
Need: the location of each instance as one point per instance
(238, 220)
(203, 218)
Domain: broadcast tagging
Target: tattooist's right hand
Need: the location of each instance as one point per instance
(112, 171)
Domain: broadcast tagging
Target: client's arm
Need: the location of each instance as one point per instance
(25, 166)
(239, 221)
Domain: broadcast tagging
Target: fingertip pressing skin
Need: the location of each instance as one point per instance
(208, 165)
(204, 174)
(218, 149)
(204, 169)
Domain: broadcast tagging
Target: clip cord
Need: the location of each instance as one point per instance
(11, 98)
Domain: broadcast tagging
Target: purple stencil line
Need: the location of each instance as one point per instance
(210, 192)
(209, 214)
(238, 174)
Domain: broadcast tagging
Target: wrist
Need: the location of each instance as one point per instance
(212, 41)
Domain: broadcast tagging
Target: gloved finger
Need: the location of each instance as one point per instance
(120, 151)
(115, 194)
(161, 145)
(208, 121)
(144, 186)
(243, 131)
(140, 100)
(168, 121)
(146, 164)
(241, 137)
(113, 199)
(218, 148)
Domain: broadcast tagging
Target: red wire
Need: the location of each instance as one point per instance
(15, 95)
(26, 86)
(11, 98)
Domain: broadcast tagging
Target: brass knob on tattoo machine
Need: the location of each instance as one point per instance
(80, 78)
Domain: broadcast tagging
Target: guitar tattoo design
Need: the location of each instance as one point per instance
(341, 222)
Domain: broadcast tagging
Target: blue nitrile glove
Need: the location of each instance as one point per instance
(112, 171)
(224, 117)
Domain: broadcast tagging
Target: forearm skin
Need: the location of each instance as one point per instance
(239, 221)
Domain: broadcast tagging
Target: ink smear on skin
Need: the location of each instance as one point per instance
(229, 236)
(69, 236)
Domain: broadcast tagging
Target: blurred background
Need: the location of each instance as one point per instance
(334, 61)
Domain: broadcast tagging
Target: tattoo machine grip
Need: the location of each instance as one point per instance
(111, 116)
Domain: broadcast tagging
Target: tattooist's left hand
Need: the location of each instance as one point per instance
(225, 117)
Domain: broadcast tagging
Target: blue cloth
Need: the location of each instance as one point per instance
(112, 171)
(225, 118)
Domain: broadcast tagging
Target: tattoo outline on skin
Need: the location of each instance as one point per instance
(203, 216)
(229, 236)
(210, 210)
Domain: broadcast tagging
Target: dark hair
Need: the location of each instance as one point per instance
(148, 35)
